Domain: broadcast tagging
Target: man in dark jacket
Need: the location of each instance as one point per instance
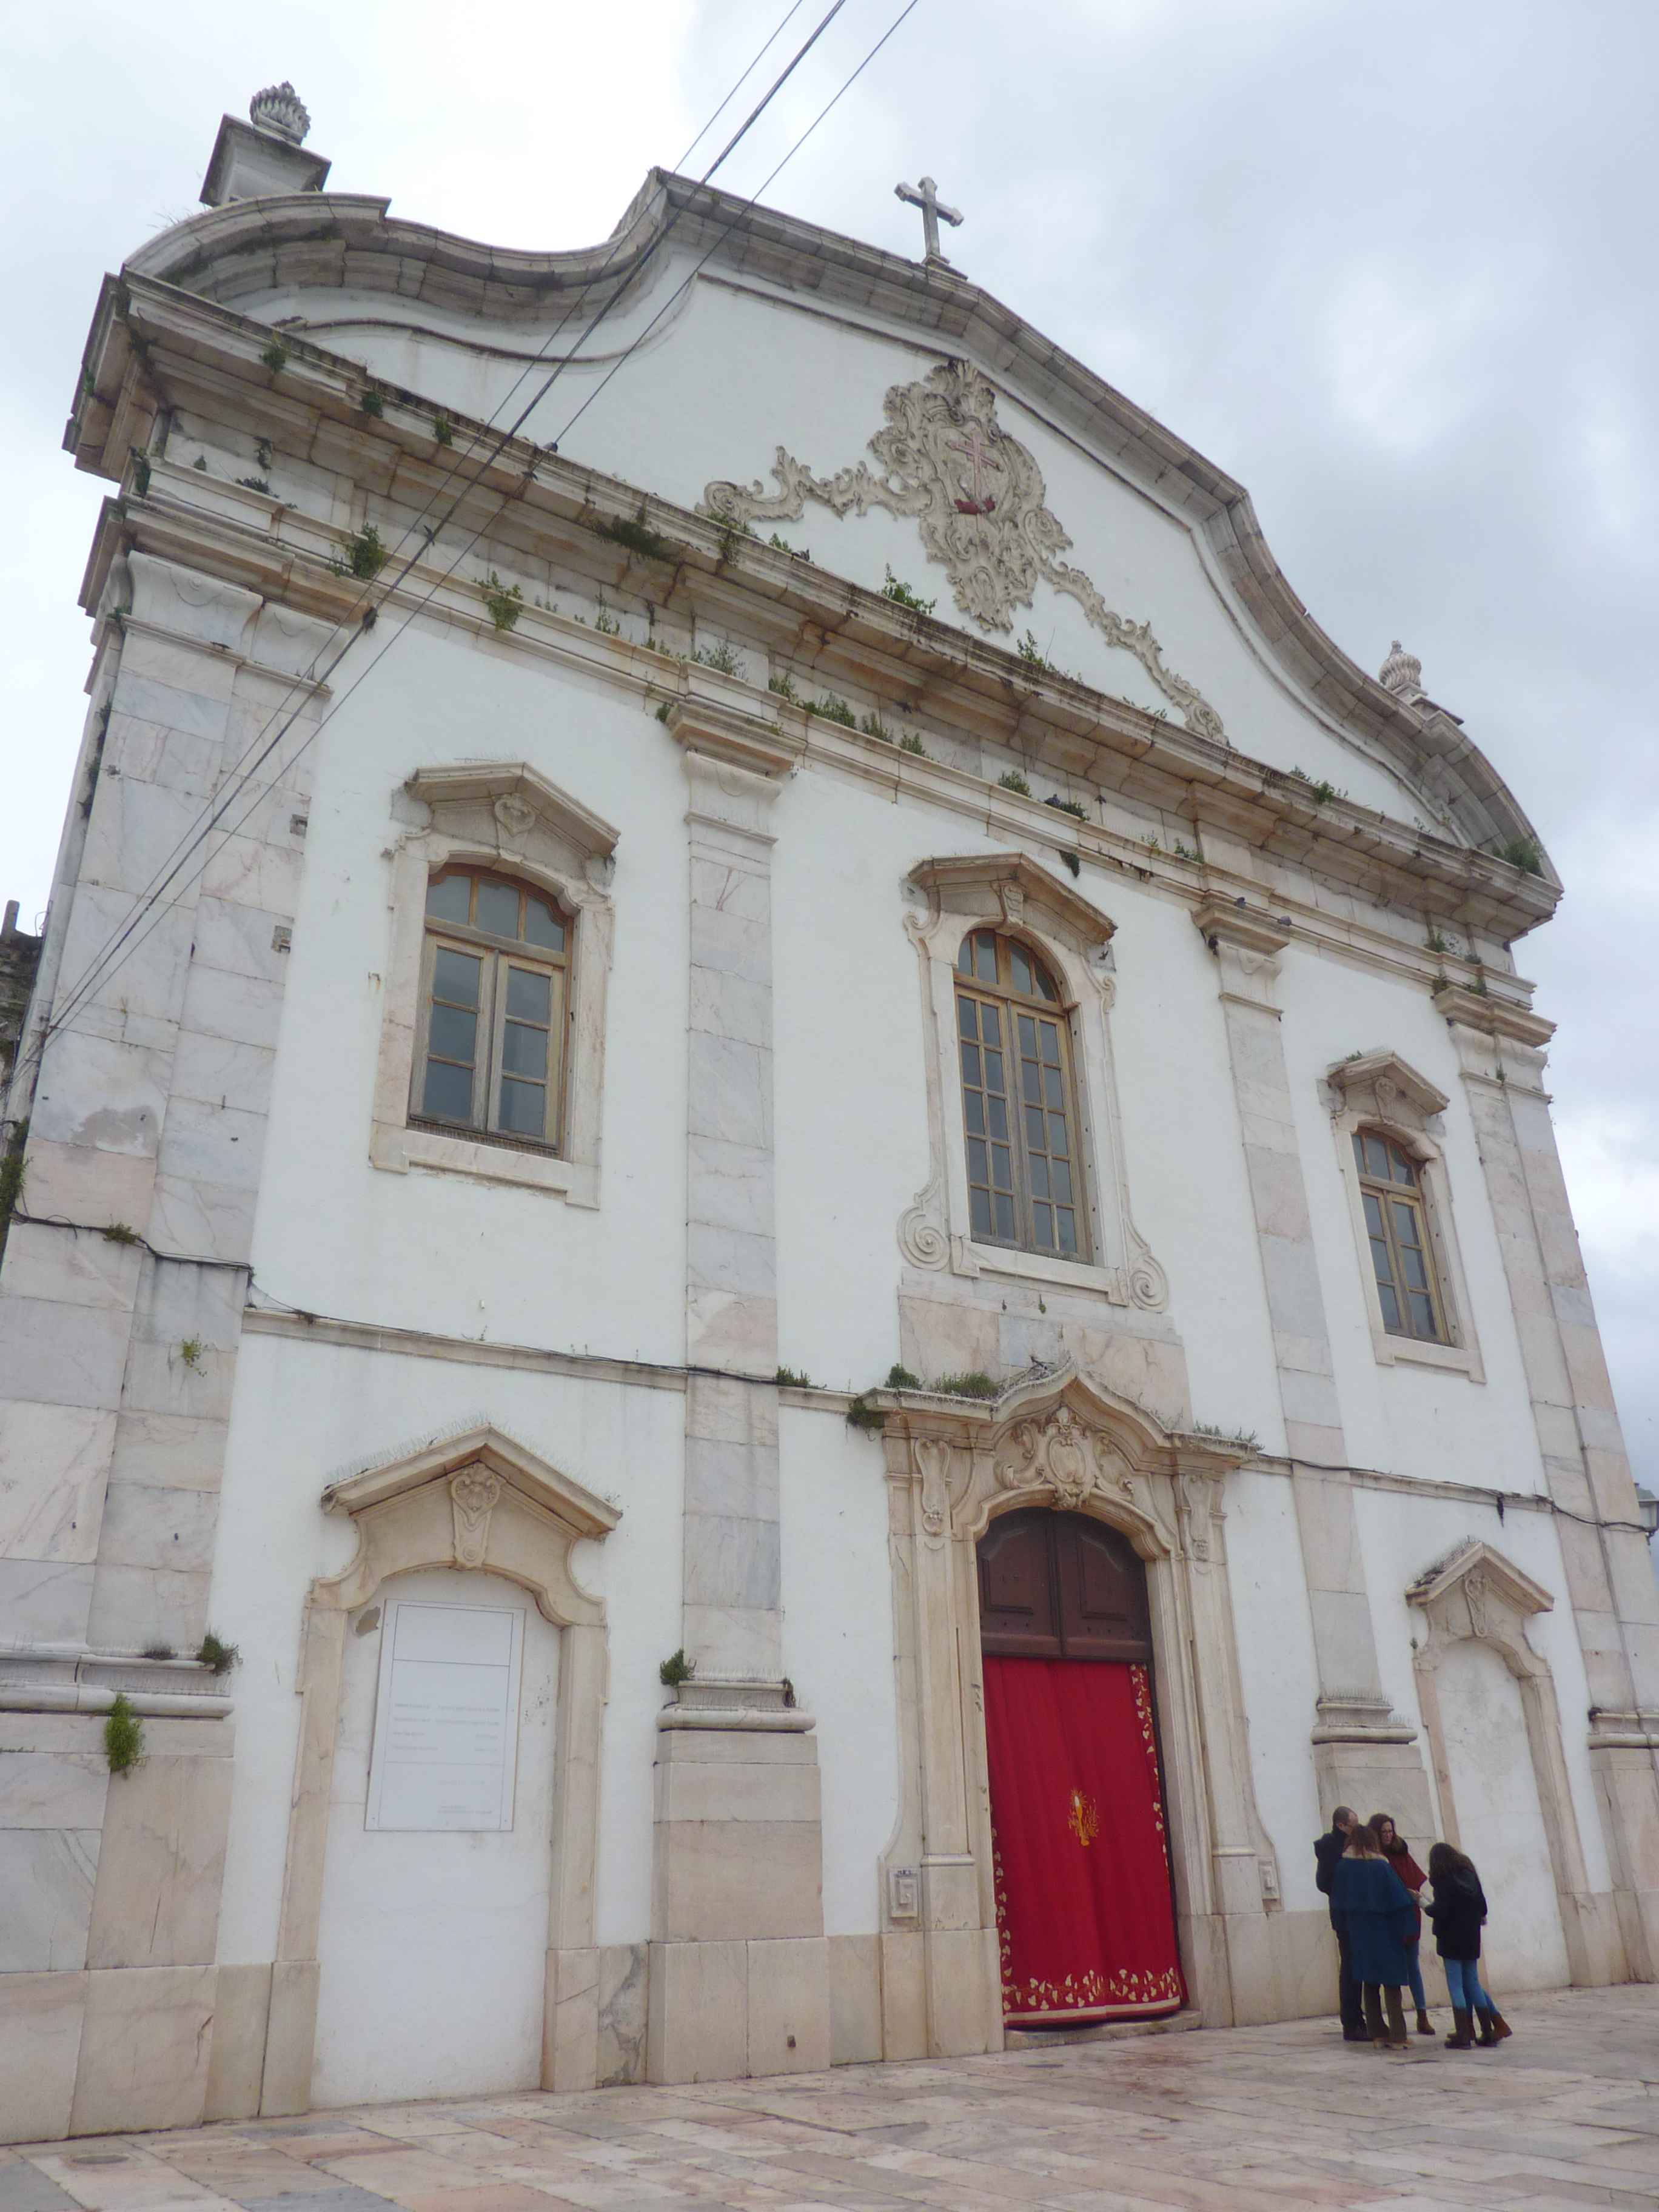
(1327, 1850)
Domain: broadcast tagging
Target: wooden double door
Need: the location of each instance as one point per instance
(1084, 1912)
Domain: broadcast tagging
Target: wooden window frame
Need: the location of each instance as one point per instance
(1011, 1003)
(1390, 1192)
(498, 955)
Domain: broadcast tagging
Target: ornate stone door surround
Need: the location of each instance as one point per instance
(477, 1499)
(1009, 891)
(1477, 1593)
(1055, 1437)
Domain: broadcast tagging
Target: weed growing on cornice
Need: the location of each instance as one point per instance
(372, 404)
(140, 473)
(1032, 653)
(783, 685)
(902, 595)
(720, 658)
(833, 710)
(276, 356)
(1521, 853)
(124, 1735)
(636, 536)
(795, 552)
(1246, 1438)
(873, 727)
(910, 743)
(255, 483)
(676, 1669)
(1012, 780)
(793, 1378)
(1186, 852)
(213, 1651)
(443, 430)
(975, 1383)
(1435, 942)
(1072, 806)
(504, 603)
(365, 556)
(605, 625)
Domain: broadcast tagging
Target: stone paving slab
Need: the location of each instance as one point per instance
(1290, 2118)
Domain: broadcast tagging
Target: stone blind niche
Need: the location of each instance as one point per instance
(479, 1500)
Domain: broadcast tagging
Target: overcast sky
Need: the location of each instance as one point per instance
(1391, 267)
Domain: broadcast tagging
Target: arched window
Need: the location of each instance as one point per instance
(495, 991)
(1396, 1222)
(1024, 1187)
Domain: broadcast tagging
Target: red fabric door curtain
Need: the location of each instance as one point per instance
(1085, 1917)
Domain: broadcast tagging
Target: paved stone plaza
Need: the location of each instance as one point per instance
(1566, 2114)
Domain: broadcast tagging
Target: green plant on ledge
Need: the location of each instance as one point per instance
(720, 658)
(676, 1670)
(1075, 807)
(1247, 1439)
(503, 603)
(605, 625)
(213, 1651)
(1521, 853)
(637, 537)
(122, 1232)
(1031, 652)
(795, 552)
(365, 556)
(255, 483)
(1435, 942)
(862, 1415)
(443, 430)
(873, 727)
(276, 356)
(372, 404)
(902, 596)
(1187, 852)
(140, 473)
(833, 710)
(11, 1176)
(1013, 780)
(910, 743)
(124, 1735)
(158, 1651)
(899, 1378)
(783, 685)
(792, 1378)
(975, 1383)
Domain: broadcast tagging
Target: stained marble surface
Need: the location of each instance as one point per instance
(1565, 2114)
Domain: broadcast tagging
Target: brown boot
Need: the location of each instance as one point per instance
(1425, 2025)
(1462, 2039)
(1494, 2028)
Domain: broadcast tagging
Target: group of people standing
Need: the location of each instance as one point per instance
(1375, 1886)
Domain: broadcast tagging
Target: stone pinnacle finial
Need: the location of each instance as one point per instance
(279, 109)
(1402, 674)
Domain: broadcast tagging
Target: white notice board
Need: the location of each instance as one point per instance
(445, 1716)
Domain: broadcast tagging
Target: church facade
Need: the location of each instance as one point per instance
(788, 1255)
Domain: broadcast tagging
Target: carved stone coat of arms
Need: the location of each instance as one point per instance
(979, 503)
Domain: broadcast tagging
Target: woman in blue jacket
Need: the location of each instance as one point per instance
(1374, 1908)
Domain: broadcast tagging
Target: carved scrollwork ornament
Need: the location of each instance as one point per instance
(473, 1494)
(979, 501)
(932, 1460)
(1064, 1456)
(516, 815)
(1477, 1595)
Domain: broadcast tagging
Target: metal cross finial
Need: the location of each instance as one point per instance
(926, 197)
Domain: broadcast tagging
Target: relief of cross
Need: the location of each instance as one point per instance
(926, 197)
(978, 453)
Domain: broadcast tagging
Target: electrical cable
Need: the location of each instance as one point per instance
(111, 956)
(353, 618)
(132, 935)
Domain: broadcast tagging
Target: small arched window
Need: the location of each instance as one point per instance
(1019, 1107)
(1397, 1225)
(494, 995)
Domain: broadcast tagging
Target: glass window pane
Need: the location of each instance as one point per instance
(455, 977)
(1065, 1221)
(1042, 1226)
(990, 1025)
(972, 1107)
(524, 1109)
(978, 1170)
(1405, 1168)
(971, 1071)
(1377, 1157)
(979, 1212)
(1050, 1036)
(1044, 983)
(1373, 1214)
(1359, 1150)
(994, 1071)
(999, 1108)
(1019, 967)
(448, 1092)
(1060, 1179)
(524, 1051)
(1059, 1143)
(497, 909)
(1416, 1276)
(529, 995)
(453, 1034)
(965, 957)
(1055, 1096)
(1391, 1319)
(1001, 1168)
(985, 955)
(1039, 1176)
(451, 899)
(541, 925)
(1005, 1219)
(1027, 1036)
(968, 1016)
(1382, 1264)
(1423, 1314)
(1033, 1127)
(1405, 1221)
(1031, 1082)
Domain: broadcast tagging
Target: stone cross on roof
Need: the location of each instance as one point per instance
(926, 197)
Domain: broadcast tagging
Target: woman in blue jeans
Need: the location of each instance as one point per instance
(1458, 1908)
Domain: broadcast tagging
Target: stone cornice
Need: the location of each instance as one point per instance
(192, 352)
(1221, 921)
(1366, 1070)
(337, 239)
(1496, 1016)
(1016, 872)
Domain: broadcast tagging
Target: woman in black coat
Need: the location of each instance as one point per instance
(1457, 1909)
